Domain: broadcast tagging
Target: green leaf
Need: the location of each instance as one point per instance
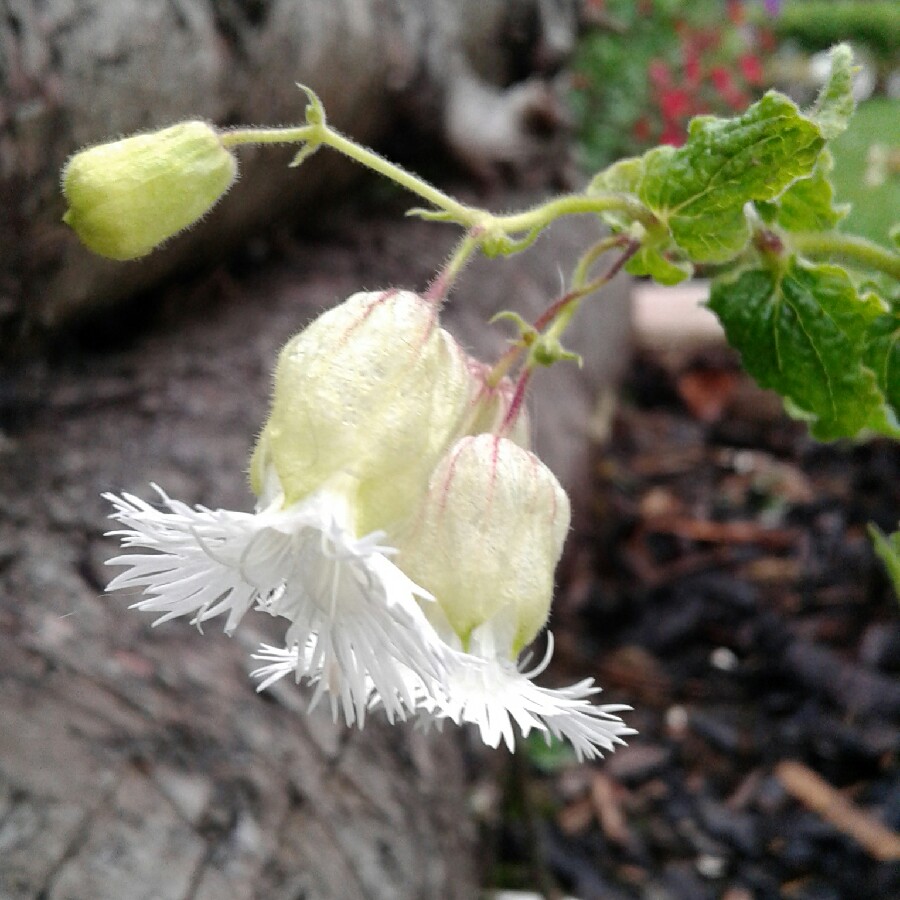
(803, 332)
(547, 753)
(700, 190)
(835, 104)
(808, 204)
(623, 177)
(649, 261)
(882, 354)
(888, 549)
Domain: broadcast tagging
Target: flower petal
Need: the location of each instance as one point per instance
(356, 626)
(203, 562)
(487, 689)
(352, 611)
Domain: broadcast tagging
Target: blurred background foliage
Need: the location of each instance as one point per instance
(645, 68)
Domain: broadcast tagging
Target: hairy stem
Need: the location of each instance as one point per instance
(458, 260)
(849, 249)
(377, 163)
(560, 313)
(557, 316)
(239, 136)
(579, 276)
(324, 134)
(545, 213)
(528, 223)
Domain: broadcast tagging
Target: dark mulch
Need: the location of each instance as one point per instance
(731, 595)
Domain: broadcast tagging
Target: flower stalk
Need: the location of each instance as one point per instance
(855, 251)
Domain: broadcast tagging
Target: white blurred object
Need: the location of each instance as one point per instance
(519, 895)
(892, 85)
(864, 78)
(674, 319)
(724, 659)
(801, 76)
(521, 129)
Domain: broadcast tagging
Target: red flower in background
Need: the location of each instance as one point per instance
(674, 103)
(660, 76)
(736, 12)
(751, 68)
(767, 41)
(690, 60)
(721, 79)
(641, 129)
(672, 134)
(692, 65)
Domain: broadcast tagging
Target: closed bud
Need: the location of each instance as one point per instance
(488, 536)
(373, 391)
(491, 404)
(127, 197)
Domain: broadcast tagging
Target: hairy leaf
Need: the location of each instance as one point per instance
(804, 333)
(623, 177)
(771, 155)
(882, 355)
(700, 190)
(835, 104)
(808, 204)
(650, 261)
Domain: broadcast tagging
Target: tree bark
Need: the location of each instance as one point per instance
(140, 763)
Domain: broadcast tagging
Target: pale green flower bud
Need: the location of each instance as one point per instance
(488, 536)
(373, 391)
(127, 197)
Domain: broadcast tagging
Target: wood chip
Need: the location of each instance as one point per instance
(814, 792)
(707, 392)
(577, 817)
(746, 532)
(604, 797)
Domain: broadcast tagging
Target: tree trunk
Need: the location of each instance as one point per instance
(140, 763)
(77, 74)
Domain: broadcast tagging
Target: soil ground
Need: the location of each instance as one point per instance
(730, 593)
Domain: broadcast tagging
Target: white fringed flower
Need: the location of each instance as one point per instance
(361, 609)
(346, 602)
(364, 441)
(487, 688)
(485, 542)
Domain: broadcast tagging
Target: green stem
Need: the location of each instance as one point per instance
(268, 135)
(847, 248)
(504, 364)
(489, 225)
(560, 313)
(461, 255)
(324, 134)
(545, 213)
(579, 276)
(398, 175)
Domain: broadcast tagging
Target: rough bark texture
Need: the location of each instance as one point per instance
(77, 73)
(139, 763)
